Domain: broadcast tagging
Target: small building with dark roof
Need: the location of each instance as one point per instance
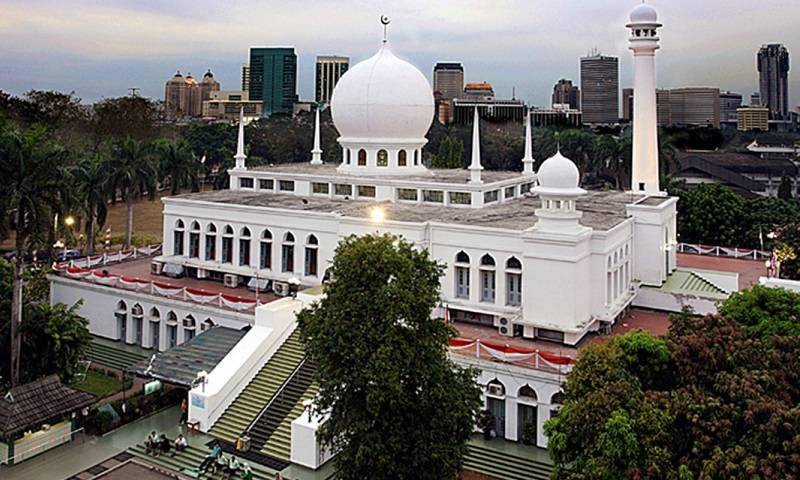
(35, 417)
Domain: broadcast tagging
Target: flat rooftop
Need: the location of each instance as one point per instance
(433, 175)
(602, 210)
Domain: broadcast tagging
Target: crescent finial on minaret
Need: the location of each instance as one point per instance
(385, 22)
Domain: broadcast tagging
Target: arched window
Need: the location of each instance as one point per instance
(287, 253)
(462, 275)
(495, 388)
(137, 311)
(211, 242)
(362, 158)
(122, 306)
(558, 398)
(177, 238)
(311, 256)
(513, 282)
(137, 321)
(227, 244)
(383, 158)
(206, 325)
(402, 158)
(172, 318)
(265, 253)
(155, 315)
(487, 275)
(189, 327)
(194, 240)
(527, 393)
(244, 246)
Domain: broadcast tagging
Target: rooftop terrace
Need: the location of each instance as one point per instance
(329, 170)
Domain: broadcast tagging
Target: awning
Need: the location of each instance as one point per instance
(262, 283)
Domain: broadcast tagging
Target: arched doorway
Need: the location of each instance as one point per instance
(527, 415)
(121, 314)
(496, 404)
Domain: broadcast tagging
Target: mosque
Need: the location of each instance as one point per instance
(531, 257)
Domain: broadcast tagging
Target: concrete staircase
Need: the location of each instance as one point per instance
(106, 353)
(257, 394)
(279, 444)
(187, 462)
(504, 465)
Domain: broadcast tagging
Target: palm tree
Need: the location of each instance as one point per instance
(178, 163)
(31, 191)
(90, 176)
(133, 173)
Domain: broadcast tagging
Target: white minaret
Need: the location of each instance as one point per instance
(644, 43)
(475, 167)
(240, 156)
(527, 160)
(316, 152)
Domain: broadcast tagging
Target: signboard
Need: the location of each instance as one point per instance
(152, 387)
(198, 401)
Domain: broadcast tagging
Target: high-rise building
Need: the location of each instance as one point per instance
(694, 106)
(273, 78)
(600, 89)
(627, 104)
(728, 103)
(448, 80)
(183, 96)
(565, 93)
(330, 69)
(773, 79)
(208, 85)
(227, 105)
(478, 92)
(752, 117)
(755, 99)
(245, 77)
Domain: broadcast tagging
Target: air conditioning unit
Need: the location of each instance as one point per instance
(280, 289)
(495, 390)
(156, 267)
(230, 280)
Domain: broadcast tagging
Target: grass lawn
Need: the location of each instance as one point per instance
(99, 384)
(147, 219)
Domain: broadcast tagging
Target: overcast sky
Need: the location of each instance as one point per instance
(99, 48)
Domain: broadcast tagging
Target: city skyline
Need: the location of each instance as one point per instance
(144, 42)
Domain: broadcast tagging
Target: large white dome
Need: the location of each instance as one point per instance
(558, 175)
(644, 13)
(382, 99)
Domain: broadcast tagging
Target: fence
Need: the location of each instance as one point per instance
(508, 354)
(717, 251)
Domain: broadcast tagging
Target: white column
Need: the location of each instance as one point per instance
(645, 128)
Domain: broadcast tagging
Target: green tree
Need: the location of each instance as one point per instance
(450, 154)
(178, 165)
(765, 311)
(133, 173)
(30, 193)
(398, 407)
(785, 190)
(712, 214)
(90, 177)
(56, 338)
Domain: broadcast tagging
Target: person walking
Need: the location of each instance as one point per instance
(184, 412)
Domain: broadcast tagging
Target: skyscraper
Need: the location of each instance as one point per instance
(448, 80)
(183, 96)
(773, 79)
(245, 77)
(330, 69)
(565, 93)
(600, 89)
(273, 78)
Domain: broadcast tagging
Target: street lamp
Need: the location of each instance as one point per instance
(69, 221)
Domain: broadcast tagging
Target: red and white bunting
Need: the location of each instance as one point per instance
(201, 296)
(107, 279)
(166, 289)
(133, 283)
(77, 272)
(237, 303)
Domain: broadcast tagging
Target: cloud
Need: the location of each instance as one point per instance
(99, 48)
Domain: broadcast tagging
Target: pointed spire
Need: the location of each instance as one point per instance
(316, 152)
(240, 156)
(475, 167)
(527, 160)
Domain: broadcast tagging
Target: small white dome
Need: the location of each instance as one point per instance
(559, 173)
(644, 13)
(383, 98)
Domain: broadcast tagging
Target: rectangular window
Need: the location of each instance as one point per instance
(514, 289)
(246, 182)
(288, 258)
(311, 262)
(211, 247)
(227, 250)
(407, 194)
(266, 184)
(194, 245)
(462, 282)
(511, 192)
(487, 286)
(172, 333)
(318, 187)
(265, 255)
(366, 191)
(489, 197)
(286, 185)
(342, 189)
(244, 252)
(460, 198)
(177, 243)
(433, 196)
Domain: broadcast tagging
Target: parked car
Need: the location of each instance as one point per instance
(67, 255)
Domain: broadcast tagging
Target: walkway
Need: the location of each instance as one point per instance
(85, 451)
